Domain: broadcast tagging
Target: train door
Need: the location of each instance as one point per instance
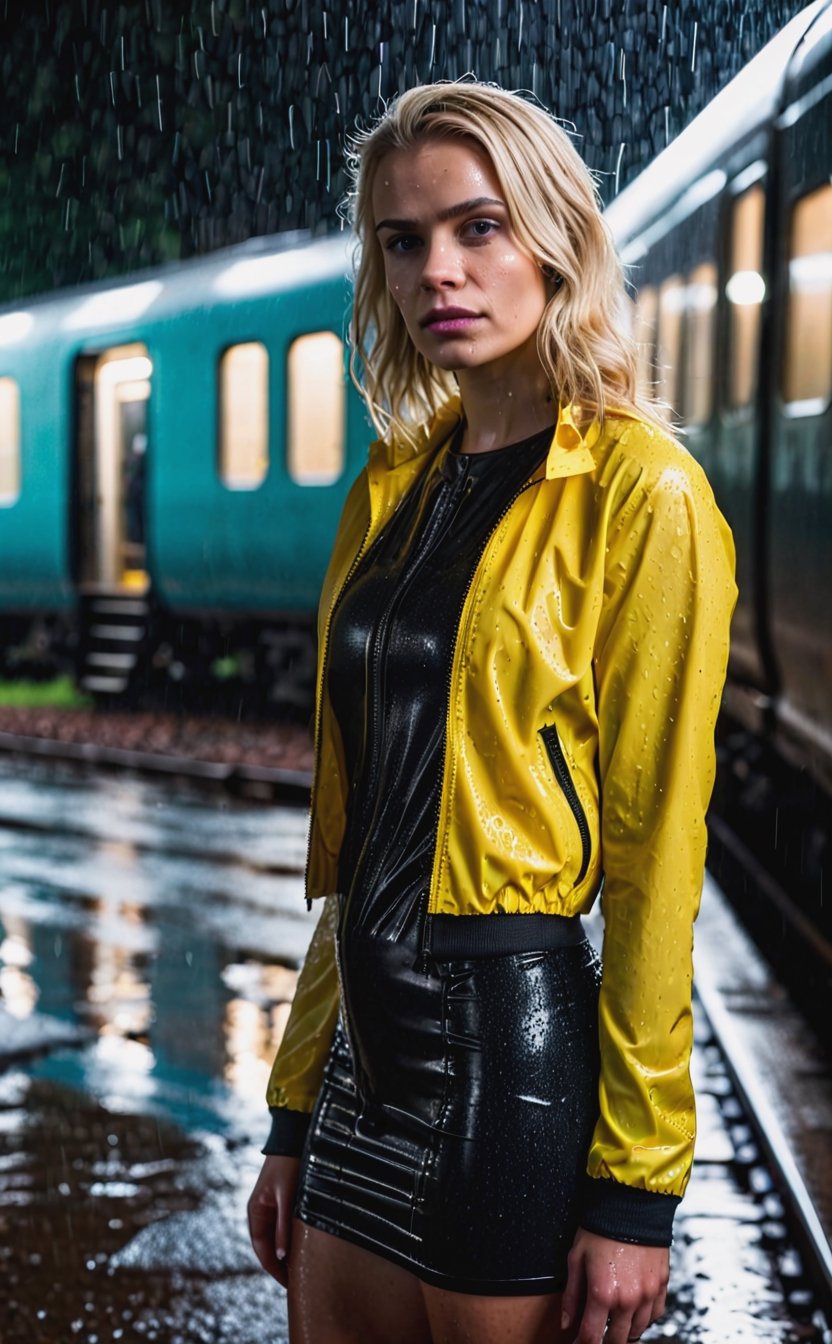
(112, 390)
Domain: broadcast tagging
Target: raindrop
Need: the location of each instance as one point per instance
(618, 164)
(693, 51)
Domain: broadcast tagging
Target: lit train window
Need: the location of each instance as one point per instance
(669, 348)
(9, 441)
(317, 405)
(700, 315)
(647, 310)
(745, 290)
(807, 369)
(244, 415)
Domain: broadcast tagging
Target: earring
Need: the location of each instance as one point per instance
(549, 273)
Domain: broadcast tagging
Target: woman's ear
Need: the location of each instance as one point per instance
(551, 276)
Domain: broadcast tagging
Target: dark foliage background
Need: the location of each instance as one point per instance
(140, 132)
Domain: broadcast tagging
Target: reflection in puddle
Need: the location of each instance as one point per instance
(187, 961)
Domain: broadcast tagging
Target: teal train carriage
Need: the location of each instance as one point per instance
(727, 238)
(175, 449)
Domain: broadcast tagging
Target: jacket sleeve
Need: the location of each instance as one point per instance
(660, 662)
(299, 1063)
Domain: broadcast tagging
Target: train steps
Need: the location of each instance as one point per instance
(113, 638)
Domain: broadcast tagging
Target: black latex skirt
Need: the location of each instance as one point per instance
(467, 1172)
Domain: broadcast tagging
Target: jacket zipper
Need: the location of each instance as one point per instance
(564, 778)
(423, 963)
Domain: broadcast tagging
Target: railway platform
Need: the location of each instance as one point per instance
(150, 939)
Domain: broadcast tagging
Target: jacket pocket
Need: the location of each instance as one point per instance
(555, 752)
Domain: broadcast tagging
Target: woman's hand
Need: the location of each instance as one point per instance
(270, 1215)
(624, 1283)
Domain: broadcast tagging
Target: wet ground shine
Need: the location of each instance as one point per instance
(147, 943)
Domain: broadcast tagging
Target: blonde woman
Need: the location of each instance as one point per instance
(481, 1132)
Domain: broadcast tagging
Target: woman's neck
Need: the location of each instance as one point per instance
(504, 407)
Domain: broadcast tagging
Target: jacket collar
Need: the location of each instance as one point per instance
(569, 452)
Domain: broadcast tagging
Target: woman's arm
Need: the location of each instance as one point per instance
(299, 1063)
(293, 1087)
(660, 664)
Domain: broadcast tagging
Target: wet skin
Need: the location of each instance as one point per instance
(443, 225)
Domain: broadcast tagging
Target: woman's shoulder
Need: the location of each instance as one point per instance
(638, 455)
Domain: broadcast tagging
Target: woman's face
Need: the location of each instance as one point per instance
(469, 293)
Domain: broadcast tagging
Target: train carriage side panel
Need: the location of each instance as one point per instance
(259, 544)
(34, 572)
(800, 401)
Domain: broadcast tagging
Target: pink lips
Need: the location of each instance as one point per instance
(448, 320)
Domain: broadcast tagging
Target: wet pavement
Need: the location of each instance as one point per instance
(148, 939)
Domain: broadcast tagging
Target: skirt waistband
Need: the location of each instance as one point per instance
(453, 936)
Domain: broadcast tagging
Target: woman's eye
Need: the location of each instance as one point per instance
(406, 242)
(482, 228)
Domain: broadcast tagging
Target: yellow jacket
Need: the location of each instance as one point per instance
(598, 621)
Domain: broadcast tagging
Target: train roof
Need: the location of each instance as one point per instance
(751, 99)
(258, 267)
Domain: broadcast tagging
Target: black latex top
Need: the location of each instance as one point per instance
(390, 652)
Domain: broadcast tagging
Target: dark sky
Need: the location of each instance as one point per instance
(145, 131)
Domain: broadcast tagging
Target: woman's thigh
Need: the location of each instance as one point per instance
(341, 1294)
(465, 1318)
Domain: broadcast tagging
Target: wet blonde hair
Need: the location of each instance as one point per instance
(555, 211)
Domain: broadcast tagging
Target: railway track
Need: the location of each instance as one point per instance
(267, 783)
(780, 1072)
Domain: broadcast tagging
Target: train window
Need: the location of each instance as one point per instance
(647, 309)
(807, 369)
(9, 441)
(244, 415)
(671, 311)
(317, 404)
(745, 290)
(700, 316)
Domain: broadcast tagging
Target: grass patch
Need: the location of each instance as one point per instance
(60, 692)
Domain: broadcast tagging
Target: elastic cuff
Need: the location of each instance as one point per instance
(288, 1132)
(626, 1212)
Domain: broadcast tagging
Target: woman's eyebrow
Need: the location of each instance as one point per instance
(450, 213)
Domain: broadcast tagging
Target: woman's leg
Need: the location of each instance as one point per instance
(342, 1294)
(465, 1318)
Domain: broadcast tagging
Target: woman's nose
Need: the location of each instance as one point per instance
(442, 267)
